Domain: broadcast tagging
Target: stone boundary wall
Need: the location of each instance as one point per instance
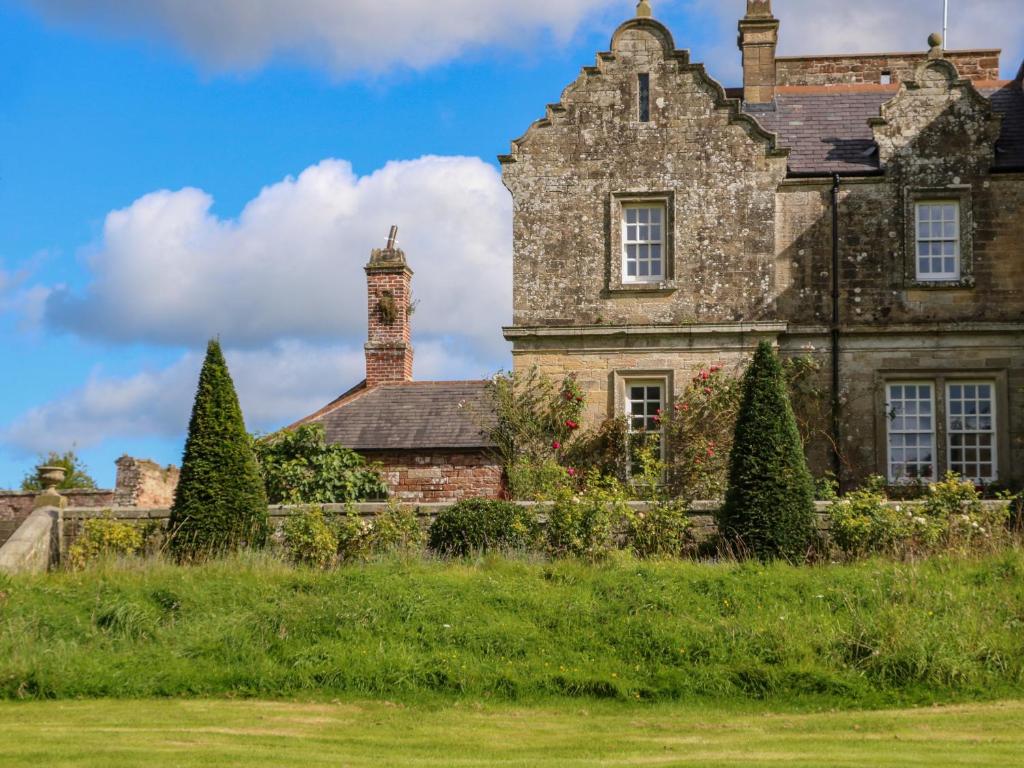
(68, 523)
(16, 506)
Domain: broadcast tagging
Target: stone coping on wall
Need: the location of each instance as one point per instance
(34, 547)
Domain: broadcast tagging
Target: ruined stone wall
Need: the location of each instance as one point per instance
(715, 169)
(439, 475)
(978, 66)
(144, 483)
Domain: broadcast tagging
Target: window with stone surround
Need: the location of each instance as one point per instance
(643, 243)
(644, 402)
(640, 245)
(954, 411)
(938, 240)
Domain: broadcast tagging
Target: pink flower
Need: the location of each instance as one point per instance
(571, 424)
(556, 445)
(707, 390)
(704, 375)
(686, 406)
(571, 472)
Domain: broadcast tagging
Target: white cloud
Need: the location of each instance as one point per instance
(343, 35)
(870, 26)
(168, 271)
(276, 386)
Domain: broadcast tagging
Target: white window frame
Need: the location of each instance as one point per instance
(639, 242)
(890, 420)
(942, 238)
(628, 401)
(992, 431)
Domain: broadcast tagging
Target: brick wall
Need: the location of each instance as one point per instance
(978, 66)
(16, 506)
(440, 476)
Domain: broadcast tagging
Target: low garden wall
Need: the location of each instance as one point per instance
(16, 506)
(44, 538)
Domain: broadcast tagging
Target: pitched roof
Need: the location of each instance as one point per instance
(826, 127)
(414, 415)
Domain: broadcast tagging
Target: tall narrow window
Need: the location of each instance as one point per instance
(643, 243)
(911, 420)
(970, 422)
(938, 241)
(644, 82)
(644, 403)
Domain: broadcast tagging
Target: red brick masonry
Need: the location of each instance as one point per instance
(440, 475)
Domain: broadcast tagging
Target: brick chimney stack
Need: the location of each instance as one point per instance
(759, 36)
(389, 296)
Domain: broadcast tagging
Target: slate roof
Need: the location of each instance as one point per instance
(415, 415)
(826, 127)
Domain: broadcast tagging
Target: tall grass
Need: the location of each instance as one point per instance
(868, 634)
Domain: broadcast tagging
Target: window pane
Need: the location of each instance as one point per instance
(971, 436)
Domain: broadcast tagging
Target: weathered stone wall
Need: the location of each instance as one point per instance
(439, 475)
(34, 547)
(980, 65)
(144, 483)
(716, 169)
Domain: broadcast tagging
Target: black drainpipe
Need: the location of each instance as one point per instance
(836, 458)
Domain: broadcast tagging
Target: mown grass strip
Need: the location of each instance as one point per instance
(189, 734)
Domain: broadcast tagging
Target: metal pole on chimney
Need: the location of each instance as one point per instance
(945, 25)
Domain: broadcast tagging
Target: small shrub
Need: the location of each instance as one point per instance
(299, 467)
(862, 523)
(662, 530)
(104, 537)
(483, 525)
(533, 479)
(310, 539)
(584, 524)
(350, 531)
(963, 520)
(395, 529)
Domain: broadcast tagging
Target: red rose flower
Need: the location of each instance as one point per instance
(556, 445)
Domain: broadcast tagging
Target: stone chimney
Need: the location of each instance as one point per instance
(389, 297)
(759, 35)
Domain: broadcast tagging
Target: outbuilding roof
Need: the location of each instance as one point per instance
(412, 415)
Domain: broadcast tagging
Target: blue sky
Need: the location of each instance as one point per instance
(163, 181)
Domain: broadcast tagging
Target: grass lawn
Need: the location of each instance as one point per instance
(253, 733)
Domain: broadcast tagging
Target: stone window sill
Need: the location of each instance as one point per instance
(628, 289)
(964, 283)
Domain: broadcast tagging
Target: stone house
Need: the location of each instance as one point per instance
(862, 209)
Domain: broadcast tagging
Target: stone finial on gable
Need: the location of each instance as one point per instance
(643, 10)
(759, 9)
(935, 45)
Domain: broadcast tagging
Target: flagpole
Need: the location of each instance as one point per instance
(945, 25)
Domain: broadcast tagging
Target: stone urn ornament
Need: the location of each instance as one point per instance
(50, 478)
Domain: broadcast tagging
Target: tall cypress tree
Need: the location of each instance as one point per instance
(220, 503)
(769, 506)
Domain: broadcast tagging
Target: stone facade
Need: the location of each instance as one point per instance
(748, 243)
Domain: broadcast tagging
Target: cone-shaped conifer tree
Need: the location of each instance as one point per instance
(220, 503)
(769, 506)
